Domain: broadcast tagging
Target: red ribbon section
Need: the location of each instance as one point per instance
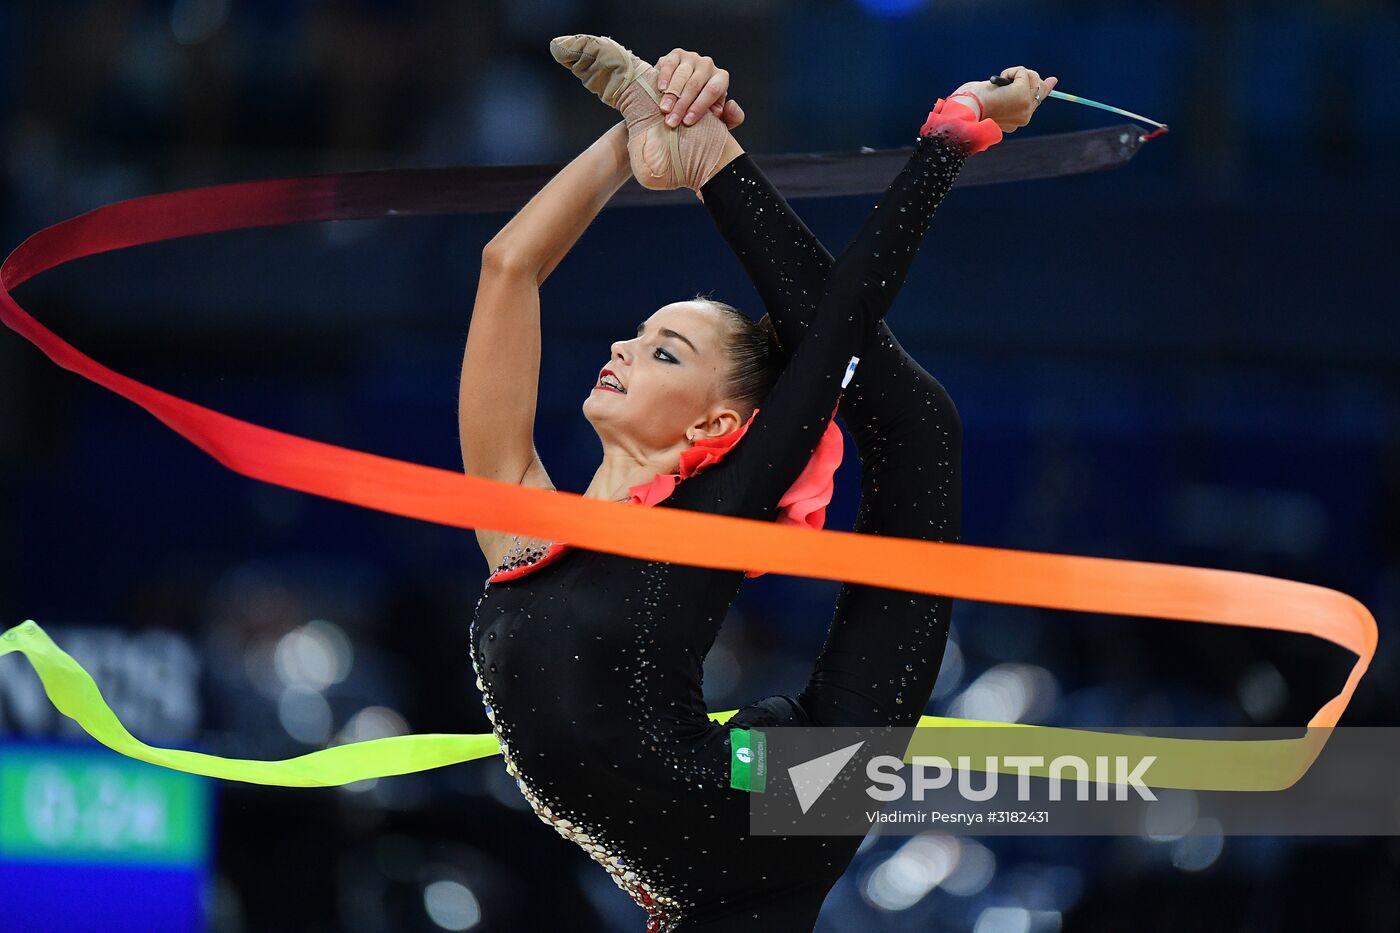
(1129, 588)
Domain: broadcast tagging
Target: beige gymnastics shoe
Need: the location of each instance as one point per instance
(662, 156)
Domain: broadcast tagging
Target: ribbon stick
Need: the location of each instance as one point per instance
(1093, 103)
(999, 81)
(1053, 581)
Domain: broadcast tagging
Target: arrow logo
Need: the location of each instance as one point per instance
(811, 778)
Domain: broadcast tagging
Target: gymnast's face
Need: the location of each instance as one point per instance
(669, 381)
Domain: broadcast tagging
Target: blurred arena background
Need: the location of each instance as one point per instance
(1192, 359)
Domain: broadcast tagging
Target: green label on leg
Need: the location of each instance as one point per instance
(748, 760)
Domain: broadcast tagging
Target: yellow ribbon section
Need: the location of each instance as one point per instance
(1181, 763)
(73, 691)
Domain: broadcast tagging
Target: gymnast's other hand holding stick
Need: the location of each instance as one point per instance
(1011, 105)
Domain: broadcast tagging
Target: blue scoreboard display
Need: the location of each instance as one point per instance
(90, 840)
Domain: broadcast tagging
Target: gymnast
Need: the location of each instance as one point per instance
(590, 664)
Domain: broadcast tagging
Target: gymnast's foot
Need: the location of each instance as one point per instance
(662, 156)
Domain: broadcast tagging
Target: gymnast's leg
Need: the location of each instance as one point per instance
(884, 646)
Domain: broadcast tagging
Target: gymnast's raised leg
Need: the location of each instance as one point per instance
(884, 646)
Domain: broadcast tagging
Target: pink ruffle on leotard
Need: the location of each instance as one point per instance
(805, 501)
(803, 504)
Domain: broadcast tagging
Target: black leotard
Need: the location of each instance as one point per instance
(591, 665)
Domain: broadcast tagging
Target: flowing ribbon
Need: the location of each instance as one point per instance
(1051, 581)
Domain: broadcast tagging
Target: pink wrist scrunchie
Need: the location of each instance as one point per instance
(956, 123)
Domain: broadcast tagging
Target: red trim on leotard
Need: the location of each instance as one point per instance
(555, 551)
(803, 504)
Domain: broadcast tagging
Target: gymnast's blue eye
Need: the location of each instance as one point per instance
(667, 356)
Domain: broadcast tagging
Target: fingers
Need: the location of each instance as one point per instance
(676, 86)
(1037, 86)
(691, 84)
(698, 79)
(718, 107)
(665, 66)
(1026, 78)
(1030, 91)
(733, 114)
(712, 92)
(1017, 74)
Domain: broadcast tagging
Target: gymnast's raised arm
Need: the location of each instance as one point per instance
(501, 366)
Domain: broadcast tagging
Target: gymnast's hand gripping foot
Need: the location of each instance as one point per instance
(665, 151)
(590, 663)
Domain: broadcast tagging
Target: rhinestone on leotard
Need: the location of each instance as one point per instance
(664, 911)
(518, 555)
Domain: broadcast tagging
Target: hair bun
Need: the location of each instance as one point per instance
(775, 344)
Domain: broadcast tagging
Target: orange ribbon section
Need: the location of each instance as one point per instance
(1051, 581)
